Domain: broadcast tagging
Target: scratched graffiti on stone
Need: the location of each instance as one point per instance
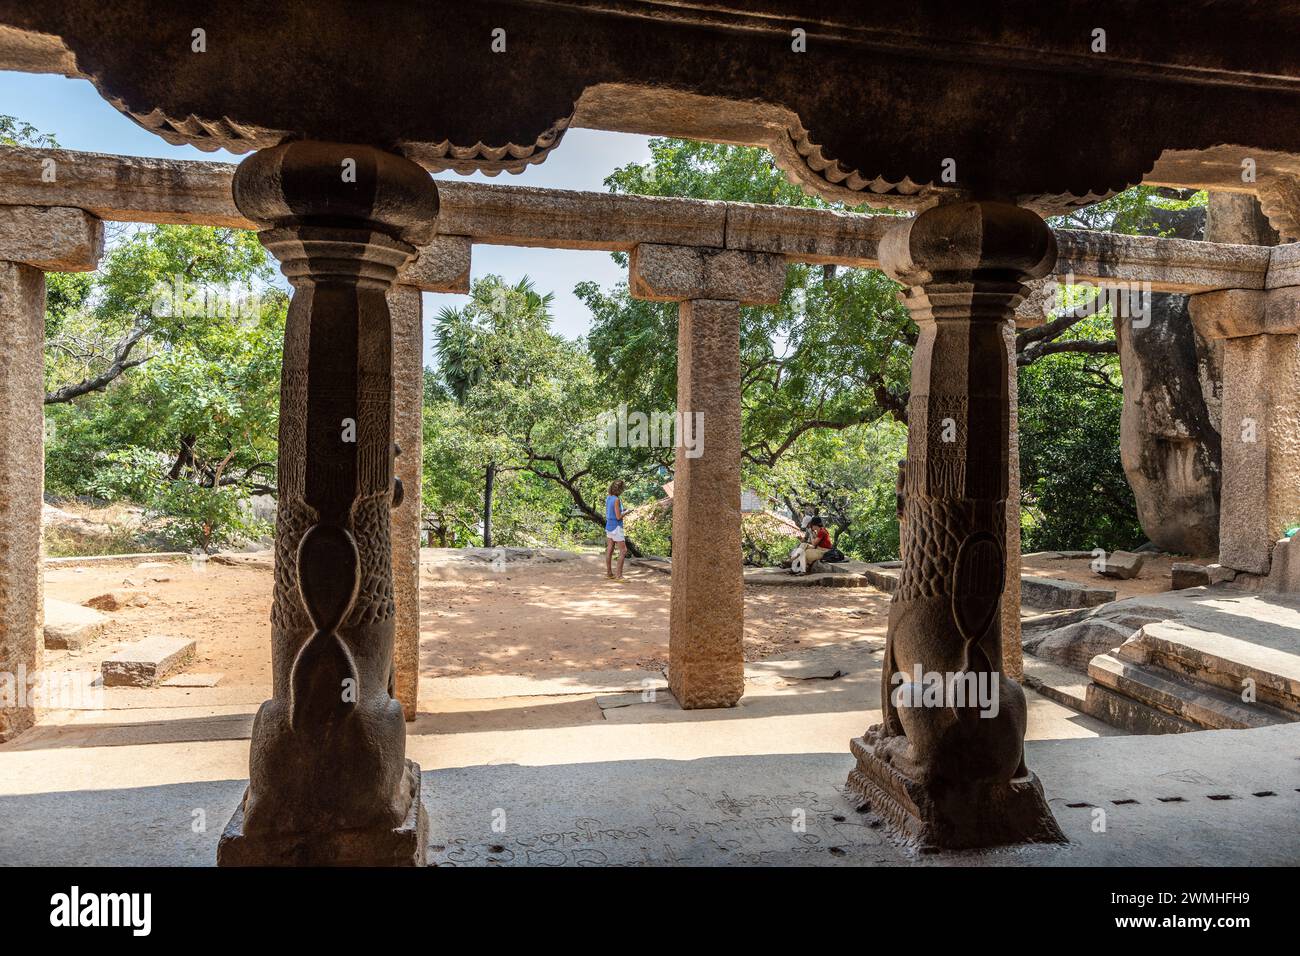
(680, 828)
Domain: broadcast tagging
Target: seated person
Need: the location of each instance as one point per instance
(817, 541)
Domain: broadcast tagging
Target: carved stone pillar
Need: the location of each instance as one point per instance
(946, 764)
(329, 782)
(706, 655)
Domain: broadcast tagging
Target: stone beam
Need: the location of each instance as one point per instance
(51, 238)
(1169, 265)
(129, 189)
(122, 188)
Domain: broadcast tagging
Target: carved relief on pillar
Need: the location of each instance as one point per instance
(329, 782)
(947, 768)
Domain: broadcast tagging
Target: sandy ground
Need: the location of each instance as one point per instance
(1152, 579)
(533, 619)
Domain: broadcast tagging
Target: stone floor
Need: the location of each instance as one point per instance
(589, 771)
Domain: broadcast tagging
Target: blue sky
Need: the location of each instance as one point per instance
(79, 119)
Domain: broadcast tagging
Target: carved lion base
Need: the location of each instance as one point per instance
(404, 846)
(956, 816)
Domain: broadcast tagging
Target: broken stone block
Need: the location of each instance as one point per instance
(1122, 564)
(1074, 645)
(1185, 575)
(116, 600)
(146, 662)
(70, 626)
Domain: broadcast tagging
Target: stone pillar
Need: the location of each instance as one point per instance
(1260, 417)
(22, 482)
(33, 240)
(947, 769)
(706, 658)
(442, 265)
(329, 782)
(1013, 663)
(404, 303)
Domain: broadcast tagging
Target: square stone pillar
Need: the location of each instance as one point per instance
(1260, 494)
(33, 240)
(707, 619)
(405, 306)
(22, 483)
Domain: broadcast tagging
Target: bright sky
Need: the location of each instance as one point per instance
(78, 118)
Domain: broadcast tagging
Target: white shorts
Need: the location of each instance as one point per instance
(616, 535)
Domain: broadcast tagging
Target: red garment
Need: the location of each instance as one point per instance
(821, 538)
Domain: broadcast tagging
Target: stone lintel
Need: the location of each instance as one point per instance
(1168, 265)
(568, 219)
(51, 238)
(808, 235)
(1234, 313)
(122, 188)
(680, 273)
(440, 266)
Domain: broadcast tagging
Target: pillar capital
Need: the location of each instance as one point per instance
(51, 238)
(665, 273)
(1237, 313)
(961, 240)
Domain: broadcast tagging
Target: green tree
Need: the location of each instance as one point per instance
(162, 376)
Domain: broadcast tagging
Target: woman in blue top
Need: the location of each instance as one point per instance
(614, 531)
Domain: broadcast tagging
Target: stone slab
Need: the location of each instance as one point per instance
(70, 626)
(1052, 594)
(146, 662)
(1124, 565)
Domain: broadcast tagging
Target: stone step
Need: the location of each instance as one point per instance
(144, 663)
(1183, 698)
(1058, 683)
(1220, 660)
(1128, 714)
